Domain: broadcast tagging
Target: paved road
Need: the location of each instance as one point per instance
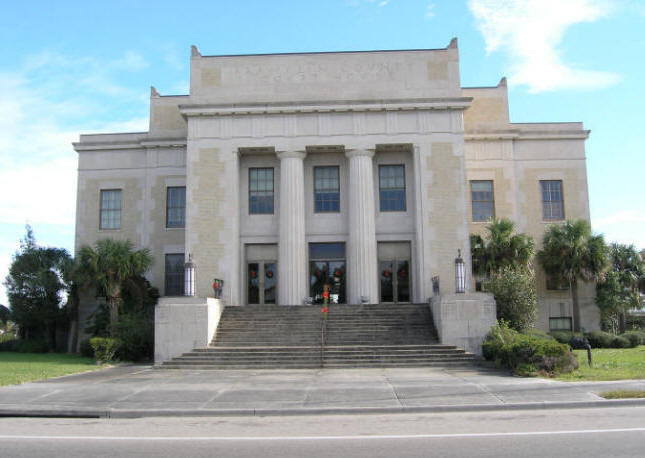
(615, 432)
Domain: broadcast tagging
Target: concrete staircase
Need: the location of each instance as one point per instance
(276, 337)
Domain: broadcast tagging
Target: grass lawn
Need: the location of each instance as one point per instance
(609, 364)
(623, 394)
(27, 367)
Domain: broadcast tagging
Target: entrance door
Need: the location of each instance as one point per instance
(262, 282)
(394, 271)
(261, 274)
(327, 267)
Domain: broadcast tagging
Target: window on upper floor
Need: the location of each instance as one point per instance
(110, 212)
(326, 189)
(176, 206)
(555, 283)
(481, 194)
(391, 180)
(261, 191)
(174, 274)
(552, 200)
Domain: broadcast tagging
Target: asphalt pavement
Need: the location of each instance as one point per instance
(144, 391)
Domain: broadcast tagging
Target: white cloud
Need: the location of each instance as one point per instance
(46, 101)
(430, 10)
(619, 227)
(529, 31)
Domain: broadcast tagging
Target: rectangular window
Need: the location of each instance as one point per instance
(175, 274)
(326, 190)
(481, 193)
(554, 283)
(561, 323)
(392, 188)
(110, 217)
(176, 206)
(552, 200)
(261, 191)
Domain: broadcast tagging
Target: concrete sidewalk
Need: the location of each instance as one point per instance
(139, 391)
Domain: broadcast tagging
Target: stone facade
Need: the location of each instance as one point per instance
(360, 115)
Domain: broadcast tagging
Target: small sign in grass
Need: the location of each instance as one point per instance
(28, 367)
(609, 364)
(623, 394)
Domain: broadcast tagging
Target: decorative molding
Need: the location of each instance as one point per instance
(457, 103)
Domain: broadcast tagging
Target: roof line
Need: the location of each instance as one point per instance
(326, 52)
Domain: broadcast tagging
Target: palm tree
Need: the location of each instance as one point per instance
(108, 266)
(570, 251)
(501, 248)
(620, 291)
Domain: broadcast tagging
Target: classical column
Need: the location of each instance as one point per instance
(361, 250)
(292, 255)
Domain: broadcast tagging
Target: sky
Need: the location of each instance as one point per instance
(72, 67)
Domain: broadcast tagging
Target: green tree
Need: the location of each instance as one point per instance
(108, 267)
(514, 291)
(619, 292)
(5, 315)
(571, 252)
(37, 279)
(501, 248)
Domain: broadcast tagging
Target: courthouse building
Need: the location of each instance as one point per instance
(365, 171)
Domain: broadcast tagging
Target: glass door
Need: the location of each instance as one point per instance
(262, 282)
(327, 267)
(394, 272)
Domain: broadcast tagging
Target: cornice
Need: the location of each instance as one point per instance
(519, 135)
(455, 103)
(142, 144)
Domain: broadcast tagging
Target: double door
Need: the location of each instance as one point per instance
(261, 274)
(394, 272)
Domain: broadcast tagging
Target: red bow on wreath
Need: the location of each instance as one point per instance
(269, 274)
(253, 274)
(386, 274)
(337, 273)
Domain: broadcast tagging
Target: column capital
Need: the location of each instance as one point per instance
(353, 152)
(291, 154)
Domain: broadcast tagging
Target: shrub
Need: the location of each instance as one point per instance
(136, 334)
(105, 348)
(599, 339)
(620, 342)
(635, 338)
(8, 343)
(85, 348)
(526, 354)
(514, 291)
(539, 333)
(499, 336)
(564, 336)
(32, 346)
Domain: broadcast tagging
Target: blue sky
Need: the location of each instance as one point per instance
(74, 67)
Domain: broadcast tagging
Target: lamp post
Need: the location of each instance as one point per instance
(189, 277)
(460, 274)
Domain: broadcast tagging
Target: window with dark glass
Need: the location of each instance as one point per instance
(175, 274)
(481, 193)
(110, 217)
(261, 191)
(392, 188)
(552, 200)
(326, 190)
(176, 206)
(556, 283)
(560, 323)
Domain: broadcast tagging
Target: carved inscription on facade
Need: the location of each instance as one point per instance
(315, 73)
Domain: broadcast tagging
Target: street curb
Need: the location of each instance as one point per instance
(142, 413)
